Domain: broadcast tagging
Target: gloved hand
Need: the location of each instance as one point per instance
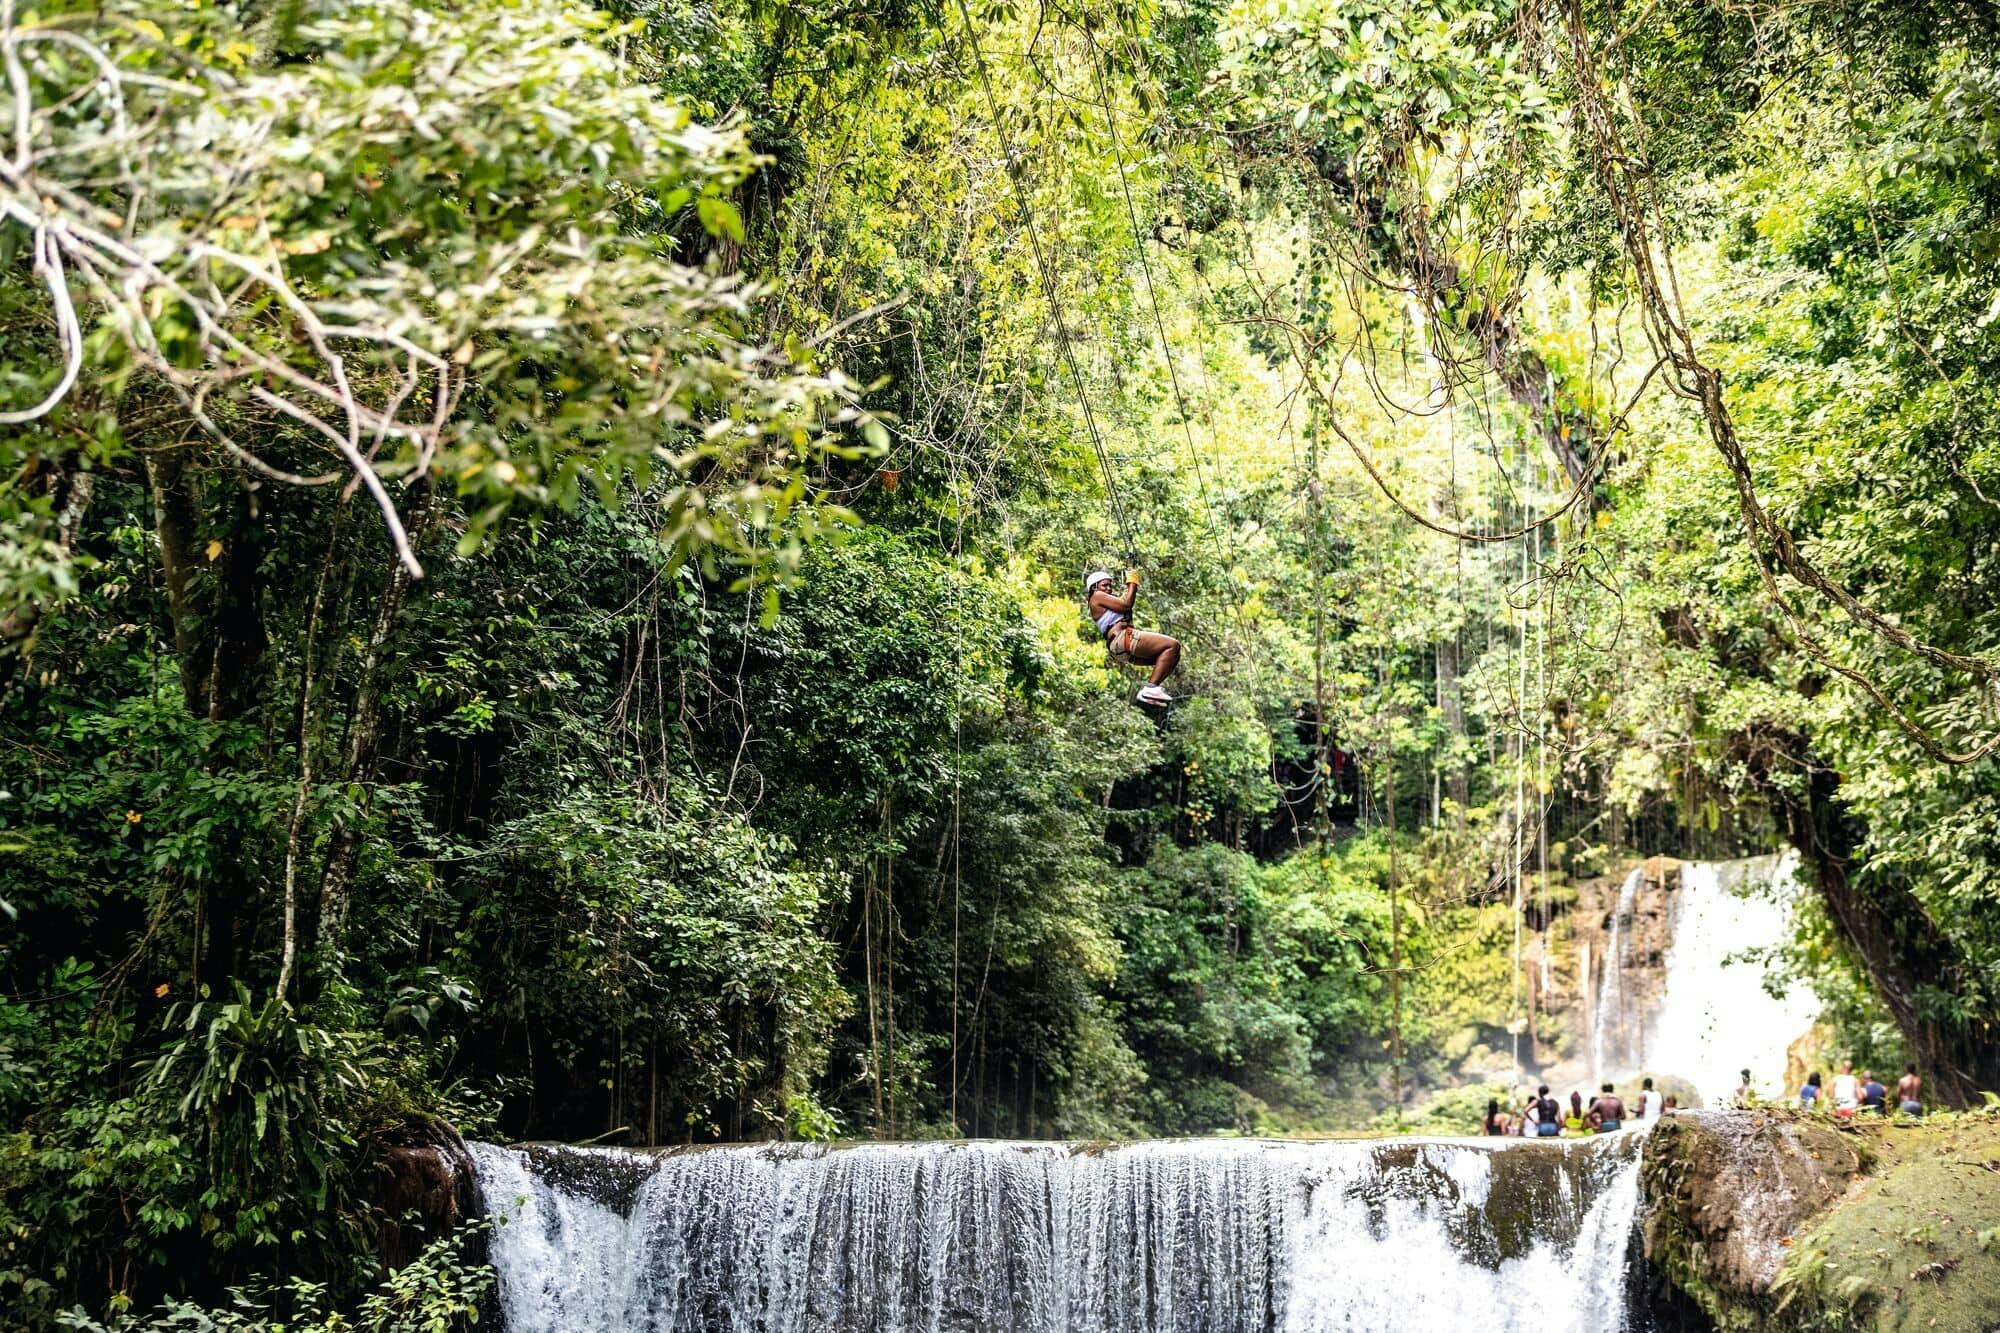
(1131, 578)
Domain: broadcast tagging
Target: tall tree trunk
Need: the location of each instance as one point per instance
(174, 520)
(1896, 941)
(220, 644)
(237, 689)
(335, 899)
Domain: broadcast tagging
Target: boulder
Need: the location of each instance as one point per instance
(427, 1190)
(1729, 1191)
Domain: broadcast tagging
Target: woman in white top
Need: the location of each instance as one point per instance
(1846, 1091)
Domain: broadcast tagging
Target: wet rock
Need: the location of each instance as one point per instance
(609, 1176)
(1727, 1194)
(428, 1189)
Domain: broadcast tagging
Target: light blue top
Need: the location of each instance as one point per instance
(1109, 621)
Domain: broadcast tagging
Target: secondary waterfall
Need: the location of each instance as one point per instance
(1715, 1018)
(1611, 1045)
(1197, 1236)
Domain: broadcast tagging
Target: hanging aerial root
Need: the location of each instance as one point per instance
(1627, 180)
(1300, 339)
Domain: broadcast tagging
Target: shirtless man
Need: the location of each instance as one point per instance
(1607, 1112)
(1910, 1092)
(1111, 613)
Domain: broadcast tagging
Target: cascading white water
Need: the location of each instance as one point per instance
(1715, 1017)
(1210, 1236)
(1611, 1047)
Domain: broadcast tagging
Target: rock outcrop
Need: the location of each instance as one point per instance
(427, 1190)
(1770, 1220)
(1729, 1191)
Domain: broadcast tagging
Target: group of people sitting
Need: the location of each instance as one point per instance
(1854, 1094)
(1542, 1116)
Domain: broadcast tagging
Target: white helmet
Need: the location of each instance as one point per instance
(1093, 578)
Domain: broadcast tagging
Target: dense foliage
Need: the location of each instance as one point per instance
(541, 554)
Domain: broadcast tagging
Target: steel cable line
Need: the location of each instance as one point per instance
(1048, 275)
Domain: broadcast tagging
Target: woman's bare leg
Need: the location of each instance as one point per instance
(1162, 652)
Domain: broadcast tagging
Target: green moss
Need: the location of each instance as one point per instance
(1911, 1246)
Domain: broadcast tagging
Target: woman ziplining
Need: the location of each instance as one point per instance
(1112, 615)
(1129, 645)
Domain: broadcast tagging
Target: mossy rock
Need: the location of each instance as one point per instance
(1727, 1191)
(1915, 1245)
(1773, 1220)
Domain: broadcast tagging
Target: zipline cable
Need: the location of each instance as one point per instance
(1223, 562)
(1049, 284)
(1152, 290)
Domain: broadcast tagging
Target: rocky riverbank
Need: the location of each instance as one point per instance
(1770, 1220)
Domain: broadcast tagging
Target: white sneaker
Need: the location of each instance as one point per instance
(1153, 694)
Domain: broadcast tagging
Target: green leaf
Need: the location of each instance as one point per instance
(719, 217)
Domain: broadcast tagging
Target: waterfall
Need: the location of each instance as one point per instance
(1609, 1009)
(1715, 1017)
(1198, 1236)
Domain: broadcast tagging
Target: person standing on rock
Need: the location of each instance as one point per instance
(1649, 1101)
(1496, 1120)
(1809, 1094)
(1846, 1091)
(1910, 1092)
(1874, 1097)
(1745, 1094)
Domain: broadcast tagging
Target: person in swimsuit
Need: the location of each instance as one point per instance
(1112, 614)
(1545, 1115)
(1496, 1120)
(1607, 1113)
(1910, 1092)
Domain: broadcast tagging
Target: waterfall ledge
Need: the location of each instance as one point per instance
(1199, 1236)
